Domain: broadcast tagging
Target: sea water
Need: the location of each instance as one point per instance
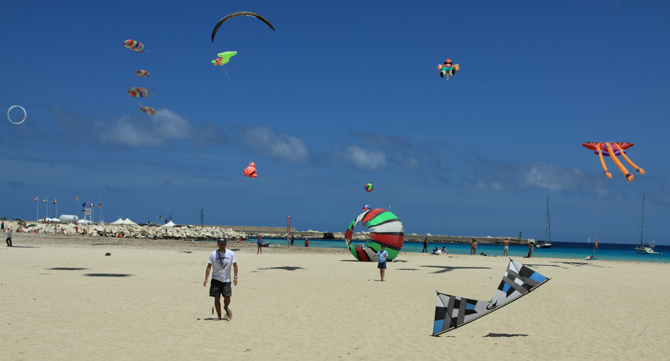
(570, 250)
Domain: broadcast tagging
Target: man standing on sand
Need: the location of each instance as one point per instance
(9, 237)
(382, 261)
(260, 245)
(473, 246)
(220, 260)
(425, 245)
(506, 247)
(292, 239)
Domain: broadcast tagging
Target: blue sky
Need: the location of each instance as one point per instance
(341, 94)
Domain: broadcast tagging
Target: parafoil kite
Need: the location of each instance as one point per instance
(240, 13)
(447, 69)
(142, 73)
(250, 171)
(138, 92)
(612, 150)
(385, 229)
(368, 187)
(223, 58)
(148, 110)
(134, 45)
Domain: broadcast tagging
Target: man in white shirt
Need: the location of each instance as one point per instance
(220, 261)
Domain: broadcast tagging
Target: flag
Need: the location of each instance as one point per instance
(83, 204)
(54, 202)
(90, 206)
(77, 198)
(45, 200)
(36, 199)
(597, 243)
(100, 205)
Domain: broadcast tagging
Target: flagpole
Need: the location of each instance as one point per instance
(37, 209)
(46, 207)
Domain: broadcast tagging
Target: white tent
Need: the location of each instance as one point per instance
(84, 221)
(128, 222)
(169, 224)
(118, 221)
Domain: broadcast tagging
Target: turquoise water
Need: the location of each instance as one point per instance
(610, 252)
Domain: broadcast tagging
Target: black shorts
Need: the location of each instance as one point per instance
(218, 288)
(381, 265)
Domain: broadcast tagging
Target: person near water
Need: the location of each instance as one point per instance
(220, 262)
(306, 242)
(425, 245)
(292, 239)
(9, 237)
(473, 246)
(530, 250)
(506, 247)
(3, 226)
(382, 254)
(260, 245)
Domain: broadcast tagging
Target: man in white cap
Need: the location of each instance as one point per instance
(221, 260)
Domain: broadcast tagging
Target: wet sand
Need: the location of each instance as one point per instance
(62, 298)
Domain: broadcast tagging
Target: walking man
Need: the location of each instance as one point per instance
(425, 245)
(221, 260)
(506, 248)
(382, 261)
(9, 237)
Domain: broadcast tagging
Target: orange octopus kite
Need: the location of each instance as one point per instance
(612, 150)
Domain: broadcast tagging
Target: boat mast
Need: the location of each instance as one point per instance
(547, 235)
(642, 223)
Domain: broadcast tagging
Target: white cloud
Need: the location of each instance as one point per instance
(365, 159)
(265, 142)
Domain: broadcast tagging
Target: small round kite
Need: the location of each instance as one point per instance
(148, 110)
(134, 45)
(142, 73)
(368, 187)
(223, 58)
(24, 114)
(366, 207)
(138, 92)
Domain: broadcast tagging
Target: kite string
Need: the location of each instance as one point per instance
(607, 103)
(446, 129)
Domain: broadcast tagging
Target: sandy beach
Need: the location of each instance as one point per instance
(61, 298)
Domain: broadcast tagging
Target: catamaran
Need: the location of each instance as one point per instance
(644, 248)
(546, 243)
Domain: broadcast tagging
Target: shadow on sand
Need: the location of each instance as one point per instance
(506, 335)
(107, 275)
(285, 268)
(444, 269)
(66, 269)
(23, 247)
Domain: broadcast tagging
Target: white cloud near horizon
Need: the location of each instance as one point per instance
(265, 142)
(491, 175)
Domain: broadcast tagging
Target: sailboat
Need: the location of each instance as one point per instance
(546, 243)
(644, 248)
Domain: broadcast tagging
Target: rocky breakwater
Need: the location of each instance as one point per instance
(129, 231)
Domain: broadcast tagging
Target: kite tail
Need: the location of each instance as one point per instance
(623, 169)
(638, 169)
(602, 162)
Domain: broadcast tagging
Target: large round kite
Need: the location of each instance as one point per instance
(385, 229)
(148, 110)
(134, 45)
(25, 114)
(138, 92)
(240, 13)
